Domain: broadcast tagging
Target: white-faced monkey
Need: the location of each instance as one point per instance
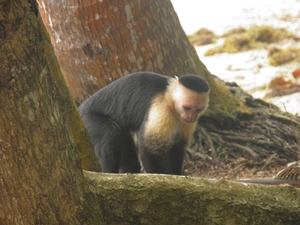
(163, 111)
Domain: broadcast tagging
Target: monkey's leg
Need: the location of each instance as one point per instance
(129, 161)
(105, 135)
(176, 155)
(155, 159)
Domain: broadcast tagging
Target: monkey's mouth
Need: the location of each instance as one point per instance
(188, 120)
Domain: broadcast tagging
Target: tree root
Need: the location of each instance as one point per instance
(266, 141)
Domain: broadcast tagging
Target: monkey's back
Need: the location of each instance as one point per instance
(126, 100)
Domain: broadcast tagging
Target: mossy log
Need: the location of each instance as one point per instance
(165, 199)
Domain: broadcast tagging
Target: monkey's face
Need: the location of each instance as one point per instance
(189, 105)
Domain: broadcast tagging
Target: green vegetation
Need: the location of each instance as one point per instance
(256, 37)
(233, 31)
(267, 34)
(278, 56)
(233, 44)
(202, 37)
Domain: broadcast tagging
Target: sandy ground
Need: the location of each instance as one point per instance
(251, 69)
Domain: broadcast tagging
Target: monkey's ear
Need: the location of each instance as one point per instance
(176, 77)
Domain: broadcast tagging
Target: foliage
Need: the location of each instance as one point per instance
(278, 56)
(267, 34)
(256, 37)
(233, 44)
(202, 37)
(233, 31)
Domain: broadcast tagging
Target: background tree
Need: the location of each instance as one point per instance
(100, 41)
(97, 42)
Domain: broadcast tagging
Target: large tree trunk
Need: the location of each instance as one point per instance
(40, 129)
(97, 42)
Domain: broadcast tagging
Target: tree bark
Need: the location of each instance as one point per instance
(161, 199)
(97, 42)
(40, 129)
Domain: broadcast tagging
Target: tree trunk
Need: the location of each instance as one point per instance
(160, 199)
(40, 129)
(97, 42)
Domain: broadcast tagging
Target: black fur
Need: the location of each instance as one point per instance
(194, 82)
(112, 113)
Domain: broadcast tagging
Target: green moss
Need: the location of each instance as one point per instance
(223, 108)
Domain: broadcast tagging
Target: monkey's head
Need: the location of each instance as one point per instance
(190, 94)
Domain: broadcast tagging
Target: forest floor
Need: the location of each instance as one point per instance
(248, 69)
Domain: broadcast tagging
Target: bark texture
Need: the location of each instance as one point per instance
(161, 199)
(40, 174)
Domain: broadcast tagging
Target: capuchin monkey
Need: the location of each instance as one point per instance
(163, 111)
